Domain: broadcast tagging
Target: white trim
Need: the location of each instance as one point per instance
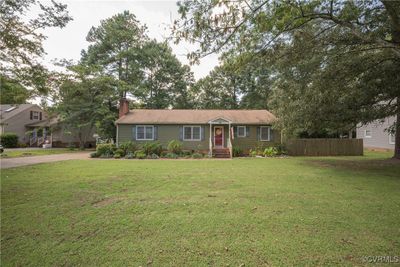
(390, 139)
(245, 131)
(191, 132)
(144, 139)
(223, 135)
(367, 136)
(269, 133)
(220, 118)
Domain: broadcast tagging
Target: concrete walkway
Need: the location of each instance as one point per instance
(23, 161)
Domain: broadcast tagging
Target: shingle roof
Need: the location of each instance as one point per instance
(7, 112)
(195, 116)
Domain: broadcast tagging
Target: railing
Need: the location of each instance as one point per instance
(40, 140)
(32, 140)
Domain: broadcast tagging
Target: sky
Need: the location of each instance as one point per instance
(67, 43)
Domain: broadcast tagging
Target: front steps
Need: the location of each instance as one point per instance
(221, 153)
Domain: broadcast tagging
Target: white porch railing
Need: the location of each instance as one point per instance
(32, 140)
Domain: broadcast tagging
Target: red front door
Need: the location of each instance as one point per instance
(219, 136)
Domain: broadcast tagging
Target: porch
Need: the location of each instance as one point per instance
(220, 138)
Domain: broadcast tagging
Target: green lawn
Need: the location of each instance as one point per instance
(35, 152)
(257, 212)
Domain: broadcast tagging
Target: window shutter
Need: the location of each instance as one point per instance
(235, 131)
(202, 133)
(31, 115)
(270, 133)
(247, 131)
(40, 116)
(258, 133)
(155, 132)
(134, 132)
(180, 133)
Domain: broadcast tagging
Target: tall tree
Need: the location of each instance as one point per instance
(362, 37)
(12, 92)
(21, 40)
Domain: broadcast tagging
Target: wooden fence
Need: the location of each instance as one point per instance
(325, 147)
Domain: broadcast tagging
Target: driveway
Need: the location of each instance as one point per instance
(23, 161)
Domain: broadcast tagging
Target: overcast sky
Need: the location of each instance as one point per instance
(157, 15)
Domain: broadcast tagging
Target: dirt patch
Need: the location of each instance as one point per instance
(105, 202)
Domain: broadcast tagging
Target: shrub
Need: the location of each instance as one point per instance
(106, 155)
(130, 155)
(154, 156)
(94, 155)
(163, 154)
(253, 153)
(105, 149)
(120, 151)
(237, 151)
(128, 147)
(270, 151)
(139, 154)
(186, 153)
(281, 149)
(175, 147)
(9, 140)
(152, 148)
(171, 156)
(197, 156)
(22, 145)
(117, 156)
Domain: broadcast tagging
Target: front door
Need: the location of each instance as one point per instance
(219, 136)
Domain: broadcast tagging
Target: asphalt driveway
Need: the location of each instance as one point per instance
(23, 161)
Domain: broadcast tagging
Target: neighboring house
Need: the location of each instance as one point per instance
(209, 131)
(14, 118)
(374, 134)
(34, 127)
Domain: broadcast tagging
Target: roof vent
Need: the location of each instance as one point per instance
(10, 109)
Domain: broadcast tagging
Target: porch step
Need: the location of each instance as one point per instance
(221, 153)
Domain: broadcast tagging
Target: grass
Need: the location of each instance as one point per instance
(35, 152)
(257, 212)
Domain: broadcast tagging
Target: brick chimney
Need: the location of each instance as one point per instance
(123, 107)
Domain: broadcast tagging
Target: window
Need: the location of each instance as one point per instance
(241, 131)
(191, 133)
(391, 139)
(265, 133)
(34, 115)
(367, 134)
(145, 132)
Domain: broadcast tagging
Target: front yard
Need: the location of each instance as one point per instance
(29, 152)
(256, 212)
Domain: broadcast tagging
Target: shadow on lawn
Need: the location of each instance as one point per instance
(387, 166)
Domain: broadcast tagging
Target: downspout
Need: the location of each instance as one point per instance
(117, 136)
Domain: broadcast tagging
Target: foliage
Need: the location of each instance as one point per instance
(105, 149)
(140, 154)
(237, 151)
(130, 155)
(9, 140)
(185, 153)
(197, 155)
(152, 148)
(117, 155)
(171, 156)
(94, 154)
(175, 146)
(332, 64)
(128, 146)
(153, 156)
(120, 152)
(253, 153)
(270, 151)
(21, 40)
(12, 92)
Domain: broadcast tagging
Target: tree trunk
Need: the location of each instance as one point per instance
(397, 133)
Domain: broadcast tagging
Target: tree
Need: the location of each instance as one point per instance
(11, 92)
(84, 99)
(21, 40)
(361, 37)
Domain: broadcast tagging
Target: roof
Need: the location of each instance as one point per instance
(10, 110)
(45, 123)
(195, 116)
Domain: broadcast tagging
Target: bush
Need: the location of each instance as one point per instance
(253, 153)
(186, 153)
(105, 149)
(71, 146)
(128, 147)
(120, 151)
(171, 156)
(154, 156)
(175, 147)
(163, 154)
(9, 140)
(139, 154)
(94, 155)
(106, 155)
(270, 151)
(150, 148)
(117, 156)
(197, 156)
(130, 155)
(22, 145)
(281, 149)
(237, 151)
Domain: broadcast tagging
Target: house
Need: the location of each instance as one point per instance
(15, 118)
(214, 132)
(375, 135)
(34, 127)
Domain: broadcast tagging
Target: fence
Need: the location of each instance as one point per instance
(325, 147)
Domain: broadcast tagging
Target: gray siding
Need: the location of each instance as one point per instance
(379, 137)
(166, 133)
